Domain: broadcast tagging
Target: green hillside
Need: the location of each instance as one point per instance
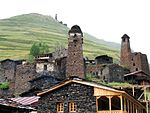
(18, 33)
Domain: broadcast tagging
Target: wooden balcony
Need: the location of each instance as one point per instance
(112, 111)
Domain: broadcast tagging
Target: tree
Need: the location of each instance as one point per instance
(39, 48)
(35, 50)
(43, 47)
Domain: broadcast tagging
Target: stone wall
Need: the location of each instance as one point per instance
(80, 94)
(24, 73)
(9, 70)
(60, 68)
(8, 74)
(139, 62)
(116, 73)
(2, 77)
(107, 73)
(44, 66)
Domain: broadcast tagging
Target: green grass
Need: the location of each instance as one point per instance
(17, 34)
(118, 84)
(93, 78)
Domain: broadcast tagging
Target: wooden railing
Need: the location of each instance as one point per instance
(112, 111)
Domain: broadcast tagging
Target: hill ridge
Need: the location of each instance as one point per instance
(18, 33)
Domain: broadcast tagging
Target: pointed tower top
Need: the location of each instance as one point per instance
(125, 36)
(75, 29)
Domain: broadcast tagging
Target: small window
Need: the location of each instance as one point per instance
(133, 64)
(60, 107)
(45, 67)
(136, 69)
(72, 107)
(124, 39)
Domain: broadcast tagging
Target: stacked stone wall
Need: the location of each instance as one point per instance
(24, 73)
(80, 94)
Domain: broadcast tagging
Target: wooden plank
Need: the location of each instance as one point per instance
(104, 92)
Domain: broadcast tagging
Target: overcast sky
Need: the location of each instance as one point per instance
(105, 19)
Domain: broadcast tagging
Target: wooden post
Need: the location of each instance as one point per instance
(121, 103)
(110, 103)
(128, 106)
(125, 108)
(147, 111)
(133, 108)
(133, 90)
(97, 103)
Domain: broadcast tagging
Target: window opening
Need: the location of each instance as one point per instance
(72, 107)
(60, 107)
(45, 67)
(103, 103)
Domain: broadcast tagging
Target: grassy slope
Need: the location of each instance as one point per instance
(18, 33)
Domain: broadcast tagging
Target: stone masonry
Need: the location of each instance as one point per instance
(82, 95)
(24, 74)
(75, 61)
(134, 61)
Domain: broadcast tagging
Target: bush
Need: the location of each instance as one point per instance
(4, 85)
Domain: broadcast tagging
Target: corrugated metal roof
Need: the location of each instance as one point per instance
(26, 100)
(13, 104)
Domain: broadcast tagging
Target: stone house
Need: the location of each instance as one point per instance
(103, 59)
(38, 84)
(107, 73)
(52, 63)
(78, 96)
(44, 62)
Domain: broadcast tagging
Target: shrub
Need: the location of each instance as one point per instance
(4, 85)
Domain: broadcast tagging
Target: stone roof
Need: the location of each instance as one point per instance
(80, 81)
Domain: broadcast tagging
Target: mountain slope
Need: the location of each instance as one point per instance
(18, 33)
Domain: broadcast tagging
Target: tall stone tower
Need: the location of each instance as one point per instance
(135, 61)
(126, 54)
(75, 62)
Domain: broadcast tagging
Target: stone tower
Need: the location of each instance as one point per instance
(135, 61)
(75, 62)
(125, 56)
